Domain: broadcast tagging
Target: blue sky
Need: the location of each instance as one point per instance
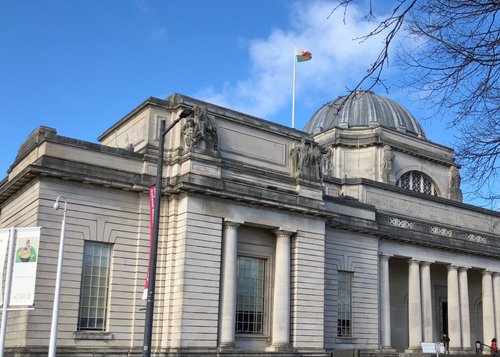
(80, 66)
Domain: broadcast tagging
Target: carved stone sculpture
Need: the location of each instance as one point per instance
(387, 161)
(305, 160)
(328, 157)
(199, 132)
(455, 193)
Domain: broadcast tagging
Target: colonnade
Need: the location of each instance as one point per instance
(421, 325)
(280, 329)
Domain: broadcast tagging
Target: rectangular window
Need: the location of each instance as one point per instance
(94, 287)
(344, 307)
(250, 296)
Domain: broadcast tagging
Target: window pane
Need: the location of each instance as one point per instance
(415, 181)
(404, 181)
(427, 186)
(250, 296)
(94, 286)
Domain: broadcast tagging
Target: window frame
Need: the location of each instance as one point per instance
(410, 178)
(265, 298)
(258, 242)
(104, 306)
(341, 329)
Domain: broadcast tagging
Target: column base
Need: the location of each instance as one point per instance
(388, 349)
(228, 347)
(414, 349)
(280, 348)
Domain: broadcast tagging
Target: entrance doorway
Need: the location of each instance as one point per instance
(441, 306)
(444, 317)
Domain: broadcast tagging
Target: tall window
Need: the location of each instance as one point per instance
(94, 287)
(344, 304)
(250, 296)
(417, 181)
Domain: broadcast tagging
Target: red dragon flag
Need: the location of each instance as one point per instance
(303, 55)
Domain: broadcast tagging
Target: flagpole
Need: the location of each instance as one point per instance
(293, 88)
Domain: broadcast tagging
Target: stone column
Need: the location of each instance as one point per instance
(454, 330)
(281, 301)
(385, 303)
(496, 296)
(488, 308)
(428, 323)
(229, 285)
(414, 307)
(464, 308)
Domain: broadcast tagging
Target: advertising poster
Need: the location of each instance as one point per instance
(4, 239)
(25, 263)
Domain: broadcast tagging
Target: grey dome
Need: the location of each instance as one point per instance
(363, 109)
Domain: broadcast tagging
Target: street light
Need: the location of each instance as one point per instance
(148, 325)
(57, 291)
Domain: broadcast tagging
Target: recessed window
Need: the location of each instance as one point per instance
(417, 181)
(250, 296)
(344, 304)
(94, 286)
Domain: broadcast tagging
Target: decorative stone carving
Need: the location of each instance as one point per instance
(454, 191)
(476, 238)
(441, 231)
(328, 157)
(305, 159)
(402, 223)
(199, 132)
(387, 161)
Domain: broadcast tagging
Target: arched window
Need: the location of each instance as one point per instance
(417, 181)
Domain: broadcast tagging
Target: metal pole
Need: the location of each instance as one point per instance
(8, 284)
(57, 291)
(148, 324)
(148, 327)
(293, 86)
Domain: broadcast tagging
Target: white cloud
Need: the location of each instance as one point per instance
(338, 60)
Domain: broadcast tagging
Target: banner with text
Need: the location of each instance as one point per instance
(152, 197)
(25, 264)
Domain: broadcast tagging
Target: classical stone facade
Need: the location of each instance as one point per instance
(347, 236)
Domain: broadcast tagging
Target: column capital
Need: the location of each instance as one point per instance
(486, 272)
(385, 255)
(495, 274)
(281, 233)
(413, 261)
(425, 263)
(451, 267)
(231, 224)
(462, 269)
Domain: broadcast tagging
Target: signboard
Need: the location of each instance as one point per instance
(432, 347)
(25, 264)
(428, 347)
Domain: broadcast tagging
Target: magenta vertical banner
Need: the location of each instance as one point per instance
(152, 196)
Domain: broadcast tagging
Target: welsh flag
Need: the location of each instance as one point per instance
(303, 55)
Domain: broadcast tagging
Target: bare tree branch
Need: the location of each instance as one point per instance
(451, 56)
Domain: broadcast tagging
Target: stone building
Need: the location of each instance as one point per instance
(349, 236)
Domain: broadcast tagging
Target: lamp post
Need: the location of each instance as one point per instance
(57, 291)
(148, 325)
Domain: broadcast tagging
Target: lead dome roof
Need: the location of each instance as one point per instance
(363, 109)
